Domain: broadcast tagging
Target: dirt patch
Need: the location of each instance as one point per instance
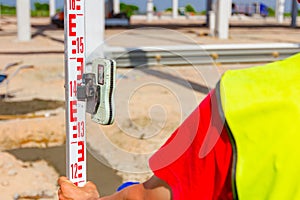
(26, 180)
(46, 130)
(104, 176)
(28, 106)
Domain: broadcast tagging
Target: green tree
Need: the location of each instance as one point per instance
(41, 6)
(8, 10)
(128, 9)
(41, 10)
(271, 12)
(190, 8)
(169, 9)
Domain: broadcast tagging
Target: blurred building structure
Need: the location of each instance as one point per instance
(96, 9)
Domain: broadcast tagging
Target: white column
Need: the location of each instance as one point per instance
(95, 25)
(208, 9)
(52, 9)
(279, 10)
(23, 20)
(149, 10)
(212, 23)
(294, 13)
(175, 9)
(109, 7)
(116, 6)
(222, 18)
(257, 9)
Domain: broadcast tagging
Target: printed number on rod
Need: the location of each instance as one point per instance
(73, 88)
(72, 4)
(74, 168)
(80, 129)
(80, 46)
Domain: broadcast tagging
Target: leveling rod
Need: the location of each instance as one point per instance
(91, 92)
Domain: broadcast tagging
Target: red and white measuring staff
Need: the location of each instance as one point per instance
(75, 110)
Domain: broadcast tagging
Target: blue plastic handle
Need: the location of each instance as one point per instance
(126, 184)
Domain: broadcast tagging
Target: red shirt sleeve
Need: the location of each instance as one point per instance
(196, 160)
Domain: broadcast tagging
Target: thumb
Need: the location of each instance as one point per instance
(64, 179)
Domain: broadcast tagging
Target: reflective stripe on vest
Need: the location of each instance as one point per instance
(262, 109)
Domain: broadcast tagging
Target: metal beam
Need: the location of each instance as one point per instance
(201, 54)
(23, 20)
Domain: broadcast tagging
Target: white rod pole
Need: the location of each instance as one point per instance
(75, 38)
(23, 20)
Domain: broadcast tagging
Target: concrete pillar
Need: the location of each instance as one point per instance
(109, 7)
(280, 10)
(222, 18)
(23, 20)
(208, 9)
(175, 9)
(116, 6)
(229, 8)
(212, 23)
(94, 26)
(52, 8)
(149, 10)
(257, 8)
(294, 13)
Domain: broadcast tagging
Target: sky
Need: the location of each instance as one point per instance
(199, 5)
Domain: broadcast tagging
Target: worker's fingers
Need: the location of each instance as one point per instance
(91, 189)
(67, 188)
(90, 186)
(63, 179)
(61, 195)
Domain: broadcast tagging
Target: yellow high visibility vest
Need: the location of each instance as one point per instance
(262, 111)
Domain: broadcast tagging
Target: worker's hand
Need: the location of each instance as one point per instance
(69, 191)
